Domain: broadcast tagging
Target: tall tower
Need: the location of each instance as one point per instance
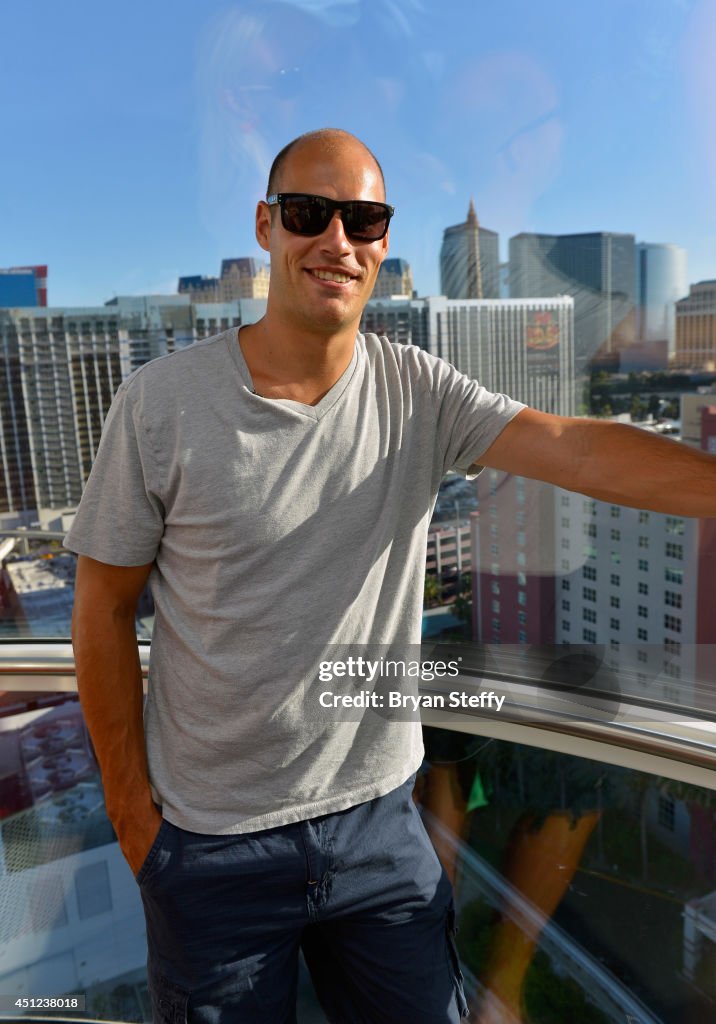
(469, 260)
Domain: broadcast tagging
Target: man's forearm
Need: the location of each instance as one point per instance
(630, 466)
(612, 462)
(109, 682)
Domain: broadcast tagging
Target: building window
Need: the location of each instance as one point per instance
(521, 597)
(614, 624)
(643, 611)
(673, 575)
(493, 511)
(675, 526)
(590, 506)
(671, 597)
(565, 522)
(521, 579)
(589, 615)
(672, 670)
(522, 636)
(522, 618)
(643, 588)
(521, 538)
(521, 558)
(674, 550)
(495, 568)
(589, 636)
(672, 646)
(495, 587)
(642, 634)
(643, 565)
(590, 529)
(643, 517)
(565, 584)
(496, 607)
(494, 549)
(589, 572)
(615, 579)
(614, 602)
(565, 543)
(615, 511)
(564, 501)
(616, 558)
(564, 564)
(672, 622)
(642, 656)
(590, 551)
(565, 606)
(565, 626)
(643, 541)
(615, 534)
(589, 594)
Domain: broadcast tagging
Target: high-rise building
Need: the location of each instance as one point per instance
(241, 278)
(470, 260)
(661, 280)
(597, 269)
(394, 278)
(23, 286)
(696, 328)
(59, 370)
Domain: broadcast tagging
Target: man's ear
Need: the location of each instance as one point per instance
(263, 225)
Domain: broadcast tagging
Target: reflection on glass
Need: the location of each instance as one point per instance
(584, 891)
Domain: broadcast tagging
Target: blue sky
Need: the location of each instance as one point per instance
(136, 137)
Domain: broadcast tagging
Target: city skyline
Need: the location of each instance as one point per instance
(139, 148)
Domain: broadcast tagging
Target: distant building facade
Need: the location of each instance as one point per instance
(59, 370)
(597, 269)
(470, 260)
(23, 286)
(696, 328)
(394, 278)
(661, 280)
(240, 278)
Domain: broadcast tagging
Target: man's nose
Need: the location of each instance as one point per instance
(334, 237)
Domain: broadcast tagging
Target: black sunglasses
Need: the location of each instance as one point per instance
(304, 214)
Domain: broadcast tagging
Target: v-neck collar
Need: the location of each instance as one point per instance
(314, 412)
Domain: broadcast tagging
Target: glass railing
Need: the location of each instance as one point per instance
(581, 840)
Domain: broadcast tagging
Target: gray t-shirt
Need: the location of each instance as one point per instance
(280, 533)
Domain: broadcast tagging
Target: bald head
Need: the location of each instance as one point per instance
(327, 142)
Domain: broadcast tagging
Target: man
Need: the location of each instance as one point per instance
(275, 486)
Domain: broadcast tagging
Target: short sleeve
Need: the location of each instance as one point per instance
(120, 519)
(470, 418)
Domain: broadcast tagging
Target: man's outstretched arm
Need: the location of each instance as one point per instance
(609, 461)
(109, 682)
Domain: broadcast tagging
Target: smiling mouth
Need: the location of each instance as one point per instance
(328, 275)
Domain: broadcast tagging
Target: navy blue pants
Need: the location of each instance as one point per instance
(361, 892)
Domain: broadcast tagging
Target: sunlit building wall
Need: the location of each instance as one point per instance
(241, 278)
(661, 280)
(523, 348)
(470, 260)
(394, 278)
(696, 328)
(69, 368)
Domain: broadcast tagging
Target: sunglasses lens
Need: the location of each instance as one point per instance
(365, 222)
(305, 215)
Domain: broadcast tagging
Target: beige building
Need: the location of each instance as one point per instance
(241, 278)
(696, 328)
(394, 278)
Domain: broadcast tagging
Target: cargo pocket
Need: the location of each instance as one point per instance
(170, 1003)
(454, 962)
